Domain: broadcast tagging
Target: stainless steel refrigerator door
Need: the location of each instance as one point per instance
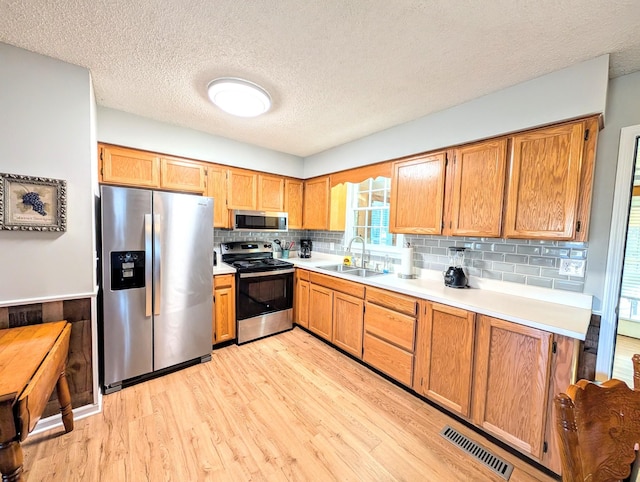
(183, 277)
(127, 320)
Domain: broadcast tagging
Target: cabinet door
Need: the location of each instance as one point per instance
(511, 380)
(243, 186)
(302, 303)
(477, 193)
(225, 309)
(129, 167)
(270, 193)
(444, 356)
(316, 203)
(321, 311)
(338, 208)
(544, 179)
(180, 175)
(293, 202)
(348, 323)
(217, 189)
(417, 195)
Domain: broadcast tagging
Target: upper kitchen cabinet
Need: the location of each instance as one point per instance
(131, 167)
(475, 187)
(316, 205)
(128, 167)
(417, 195)
(270, 193)
(550, 182)
(217, 189)
(324, 206)
(293, 193)
(243, 189)
(251, 190)
(182, 175)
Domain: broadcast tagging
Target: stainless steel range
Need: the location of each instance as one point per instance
(264, 289)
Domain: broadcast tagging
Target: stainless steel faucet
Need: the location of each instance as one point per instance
(363, 248)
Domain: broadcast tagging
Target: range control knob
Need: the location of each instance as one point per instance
(267, 246)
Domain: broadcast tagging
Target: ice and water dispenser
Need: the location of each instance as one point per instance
(127, 270)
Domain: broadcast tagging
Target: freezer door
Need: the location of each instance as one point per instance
(183, 277)
(127, 328)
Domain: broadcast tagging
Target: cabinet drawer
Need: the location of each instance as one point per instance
(302, 274)
(395, 301)
(223, 280)
(338, 284)
(388, 358)
(391, 326)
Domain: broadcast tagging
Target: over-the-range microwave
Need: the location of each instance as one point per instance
(260, 221)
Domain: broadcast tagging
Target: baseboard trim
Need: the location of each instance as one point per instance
(55, 421)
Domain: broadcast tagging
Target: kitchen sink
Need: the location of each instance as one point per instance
(351, 270)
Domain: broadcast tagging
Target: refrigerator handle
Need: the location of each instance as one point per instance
(157, 251)
(147, 263)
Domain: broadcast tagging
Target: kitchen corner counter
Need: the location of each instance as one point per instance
(223, 268)
(562, 319)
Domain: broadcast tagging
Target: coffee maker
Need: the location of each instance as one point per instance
(305, 248)
(455, 277)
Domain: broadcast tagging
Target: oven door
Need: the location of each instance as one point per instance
(263, 292)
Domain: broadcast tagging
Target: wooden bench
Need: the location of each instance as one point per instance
(32, 363)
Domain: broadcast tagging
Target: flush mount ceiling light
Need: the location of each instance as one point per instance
(239, 97)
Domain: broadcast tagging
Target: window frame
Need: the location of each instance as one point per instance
(353, 189)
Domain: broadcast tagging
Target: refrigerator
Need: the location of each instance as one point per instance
(157, 282)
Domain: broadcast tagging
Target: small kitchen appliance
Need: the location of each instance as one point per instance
(305, 248)
(455, 277)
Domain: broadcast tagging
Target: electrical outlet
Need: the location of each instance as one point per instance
(332, 246)
(572, 267)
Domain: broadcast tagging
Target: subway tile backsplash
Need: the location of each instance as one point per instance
(529, 262)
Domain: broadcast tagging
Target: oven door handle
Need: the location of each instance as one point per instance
(267, 273)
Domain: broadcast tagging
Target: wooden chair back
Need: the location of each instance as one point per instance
(598, 427)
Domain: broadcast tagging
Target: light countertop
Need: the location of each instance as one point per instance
(223, 268)
(527, 309)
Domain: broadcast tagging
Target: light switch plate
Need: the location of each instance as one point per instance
(572, 267)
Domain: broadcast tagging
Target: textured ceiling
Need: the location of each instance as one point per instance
(337, 70)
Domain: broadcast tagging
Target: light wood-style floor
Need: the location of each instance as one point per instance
(626, 347)
(286, 408)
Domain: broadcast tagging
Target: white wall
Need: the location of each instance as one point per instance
(572, 92)
(623, 109)
(576, 91)
(124, 129)
(46, 130)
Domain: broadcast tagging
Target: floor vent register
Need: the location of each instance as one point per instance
(499, 466)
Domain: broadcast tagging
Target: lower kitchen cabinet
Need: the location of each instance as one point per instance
(333, 302)
(224, 308)
(444, 356)
(388, 358)
(389, 334)
(347, 323)
(301, 305)
(499, 375)
(511, 382)
(321, 311)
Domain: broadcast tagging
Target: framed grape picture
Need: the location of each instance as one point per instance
(32, 203)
